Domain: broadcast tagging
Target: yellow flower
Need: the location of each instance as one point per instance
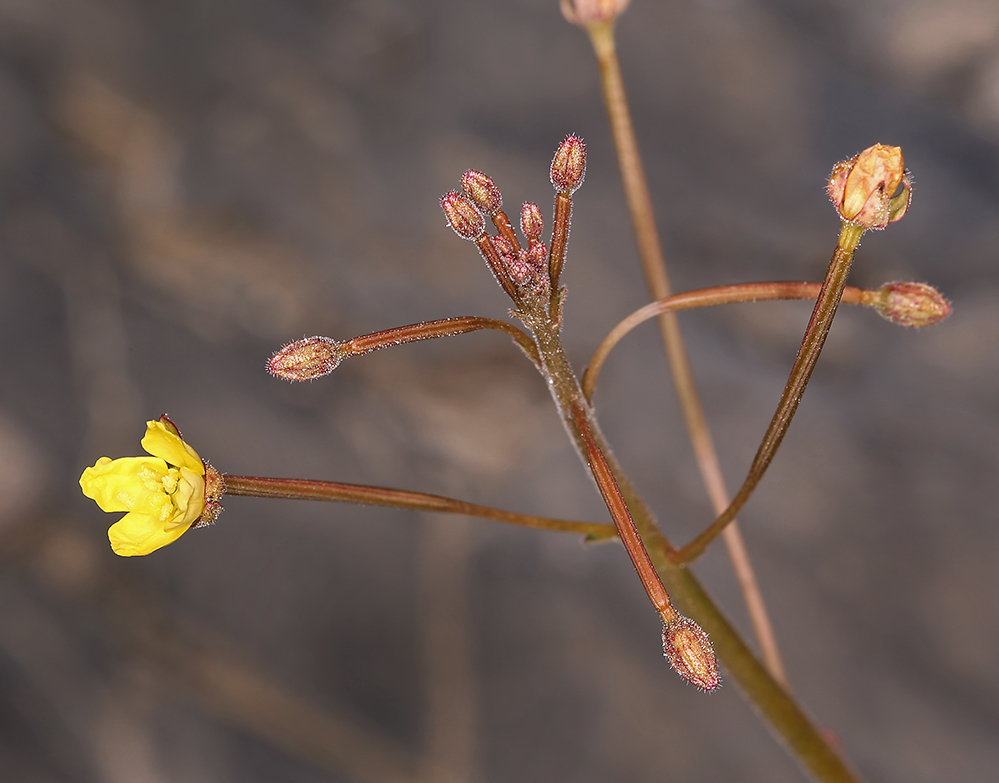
(164, 494)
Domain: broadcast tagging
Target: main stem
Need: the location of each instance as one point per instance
(582, 427)
(808, 354)
(654, 265)
(785, 717)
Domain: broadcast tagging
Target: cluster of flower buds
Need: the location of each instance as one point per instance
(529, 275)
(871, 189)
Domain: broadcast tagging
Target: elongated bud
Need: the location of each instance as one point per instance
(482, 190)
(569, 165)
(584, 12)
(304, 360)
(689, 651)
(531, 222)
(912, 304)
(462, 215)
(865, 188)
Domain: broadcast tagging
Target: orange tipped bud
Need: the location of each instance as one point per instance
(531, 222)
(689, 651)
(482, 190)
(871, 189)
(462, 215)
(912, 304)
(569, 165)
(304, 360)
(583, 12)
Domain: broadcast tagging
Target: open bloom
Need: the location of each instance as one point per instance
(164, 494)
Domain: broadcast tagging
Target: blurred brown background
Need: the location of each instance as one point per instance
(188, 185)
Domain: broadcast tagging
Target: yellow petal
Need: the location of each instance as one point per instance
(125, 484)
(139, 534)
(163, 442)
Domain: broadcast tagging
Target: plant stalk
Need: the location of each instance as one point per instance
(305, 489)
(654, 265)
(808, 354)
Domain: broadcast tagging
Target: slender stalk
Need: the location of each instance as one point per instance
(808, 354)
(304, 489)
(711, 297)
(429, 330)
(654, 265)
(787, 720)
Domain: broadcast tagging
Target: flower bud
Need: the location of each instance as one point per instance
(462, 215)
(912, 304)
(304, 360)
(583, 12)
(482, 190)
(531, 222)
(569, 165)
(863, 188)
(689, 651)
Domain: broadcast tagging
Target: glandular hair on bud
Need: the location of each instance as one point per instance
(569, 165)
(912, 304)
(531, 222)
(305, 360)
(482, 190)
(871, 189)
(689, 651)
(462, 215)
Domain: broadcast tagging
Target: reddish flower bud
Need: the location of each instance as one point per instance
(569, 165)
(537, 256)
(531, 222)
(690, 653)
(912, 304)
(503, 246)
(306, 359)
(482, 190)
(462, 215)
(863, 188)
(583, 12)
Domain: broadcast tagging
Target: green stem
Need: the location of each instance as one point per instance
(305, 489)
(808, 354)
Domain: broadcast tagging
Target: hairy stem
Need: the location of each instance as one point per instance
(304, 489)
(808, 354)
(430, 330)
(654, 265)
(787, 720)
(711, 297)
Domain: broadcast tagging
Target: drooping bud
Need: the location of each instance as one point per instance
(689, 651)
(569, 165)
(584, 12)
(482, 190)
(304, 360)
(462, 215)
(912, 304)
(865, 188)
(531, 222)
